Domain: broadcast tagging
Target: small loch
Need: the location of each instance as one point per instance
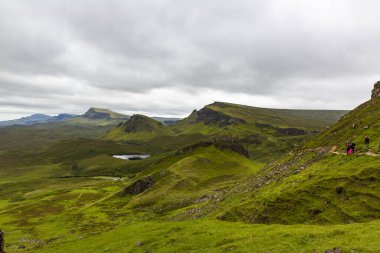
(131, 157)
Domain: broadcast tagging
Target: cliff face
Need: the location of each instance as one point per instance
(209, 116)
(376, 90)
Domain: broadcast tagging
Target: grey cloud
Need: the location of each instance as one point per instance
(266, 48)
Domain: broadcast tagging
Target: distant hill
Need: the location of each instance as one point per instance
(218, 115)
(138, 127)
(37, 118)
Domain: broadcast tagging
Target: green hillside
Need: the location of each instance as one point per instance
(316, 184)
(361, 122)
(219, 115)
(138, 127)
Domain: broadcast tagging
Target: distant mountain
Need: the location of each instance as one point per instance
(36, 118)
(98, 113)
(98, 116)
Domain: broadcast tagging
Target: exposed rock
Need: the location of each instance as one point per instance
(339, 189)
(21, 246)
(139, 244)
(139, 186)
(376, 90)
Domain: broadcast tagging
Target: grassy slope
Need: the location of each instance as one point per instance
(301, 188)
(364, 120)
(186, 180)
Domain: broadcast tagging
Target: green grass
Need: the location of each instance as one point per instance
(215, 236)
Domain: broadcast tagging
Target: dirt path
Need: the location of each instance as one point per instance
(369, 153)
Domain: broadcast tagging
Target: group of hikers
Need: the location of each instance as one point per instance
(351, 146)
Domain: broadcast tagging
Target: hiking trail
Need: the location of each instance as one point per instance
(368, 153)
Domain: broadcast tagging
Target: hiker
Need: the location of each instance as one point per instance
(366, 141)
(353, 145)
(348, 146)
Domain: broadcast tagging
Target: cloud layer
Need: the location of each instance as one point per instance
(168, 57)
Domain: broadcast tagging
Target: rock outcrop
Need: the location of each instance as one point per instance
(139, 186)
(209, 116)
(376, 90)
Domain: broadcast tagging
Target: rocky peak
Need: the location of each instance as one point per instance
(138, 123)
(376, 90)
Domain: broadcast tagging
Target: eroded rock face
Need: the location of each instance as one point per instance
(139, 186)
(376, 90)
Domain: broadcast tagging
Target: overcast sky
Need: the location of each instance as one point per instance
(161, 57)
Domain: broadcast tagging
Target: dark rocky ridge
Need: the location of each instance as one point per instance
(209, 116)
(376, 90)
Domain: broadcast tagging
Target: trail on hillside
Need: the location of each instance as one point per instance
(368, 153)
